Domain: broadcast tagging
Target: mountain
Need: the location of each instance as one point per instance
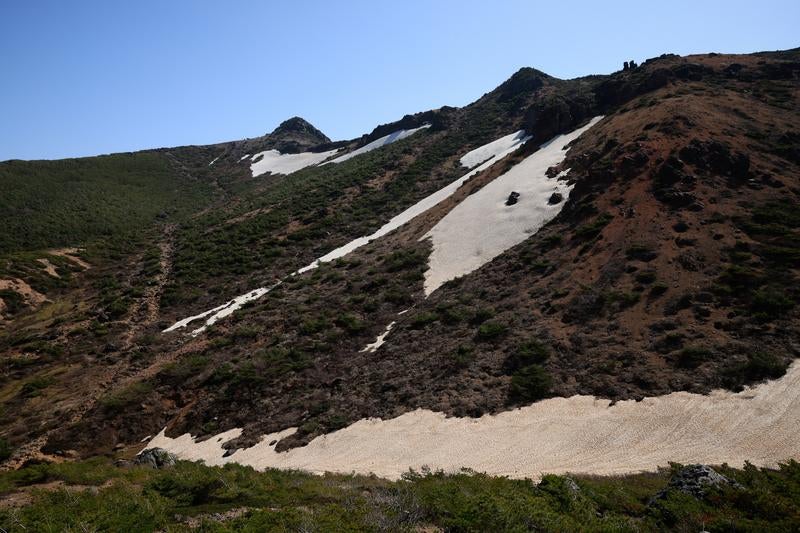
(557, 246)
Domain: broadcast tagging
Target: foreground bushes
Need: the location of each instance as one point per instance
(140, 499)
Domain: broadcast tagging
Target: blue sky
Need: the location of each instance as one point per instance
(90, 77)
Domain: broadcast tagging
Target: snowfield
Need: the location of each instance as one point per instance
(482, 226)
(581, 434)
(377, 143)
(488, 151)
(277, 163)
(497, 152)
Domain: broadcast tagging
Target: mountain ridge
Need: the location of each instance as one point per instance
(668, 268)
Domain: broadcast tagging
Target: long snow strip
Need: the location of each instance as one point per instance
(497, 152)
(278, 163)
(482, 226)
(581, 434)
(501, 150)
(377, 143)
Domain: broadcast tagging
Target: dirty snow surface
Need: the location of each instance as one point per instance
(377, 143)
(278, 163)
(488, 151)
(482, 227)
(498, 151)
(581, 434)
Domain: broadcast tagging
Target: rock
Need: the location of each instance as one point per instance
(155, 458)
(696, 480)
(678, 199)
(555, 198)
(717, 158)
(513, 198)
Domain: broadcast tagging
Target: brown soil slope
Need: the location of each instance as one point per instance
(673, 266)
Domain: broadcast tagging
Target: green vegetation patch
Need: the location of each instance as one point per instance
(140, 499)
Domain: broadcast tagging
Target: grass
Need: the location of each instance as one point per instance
(142, 499)
(72, 201)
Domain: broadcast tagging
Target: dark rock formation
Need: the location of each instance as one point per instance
(696, 481)
(155, 458)
(513, 198)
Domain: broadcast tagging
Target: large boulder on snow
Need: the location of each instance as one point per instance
(155, 458)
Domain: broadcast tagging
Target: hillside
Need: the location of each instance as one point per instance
(558, 246)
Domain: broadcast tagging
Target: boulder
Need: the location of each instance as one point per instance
(696, 481)
(513, 198)
(155, 458)
(555, 198)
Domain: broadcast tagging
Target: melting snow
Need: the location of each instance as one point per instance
(581, 434)
(482, 227)
(215, 160)
(377, 143)
(497, 152)
(418, 208)
(221, 311)
(278, 163)
(380, 340)
(487, 151)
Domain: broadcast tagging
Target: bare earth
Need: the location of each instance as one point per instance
(580, 434)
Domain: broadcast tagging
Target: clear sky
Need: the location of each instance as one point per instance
(90, 77)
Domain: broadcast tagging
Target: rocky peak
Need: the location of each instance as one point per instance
(290, 137)
(297, 126)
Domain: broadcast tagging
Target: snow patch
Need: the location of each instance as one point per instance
(380, 340)
(482, 226)
(416, 209)
(221, 311)
(581, 434)
(487, 151)
(499, 151)
(277, 163)
(378, 143)
(214, 160)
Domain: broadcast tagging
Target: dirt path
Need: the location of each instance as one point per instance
(121, 373)
(147, 309)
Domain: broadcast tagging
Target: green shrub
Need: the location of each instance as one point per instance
(5, 450)
(420, 320)
(35, 386)
(758, 366)
(351, 324)
(133, 393)
(14, 303)
(640, 252)
(489, 331)
(527, 353)
(593, 229)
(657, 289)
(463, 356)
(646, 277)
(481, 315)
(693, 357)
(771, 303)
(530, 383)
